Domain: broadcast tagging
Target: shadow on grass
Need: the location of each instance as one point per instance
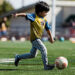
(9, 69)
(21, 70)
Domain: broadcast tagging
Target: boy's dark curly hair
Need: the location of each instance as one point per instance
(41, 6)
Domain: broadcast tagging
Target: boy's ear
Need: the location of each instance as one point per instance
(39, 13)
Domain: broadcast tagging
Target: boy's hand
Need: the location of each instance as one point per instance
(52, 41)
(14, 15)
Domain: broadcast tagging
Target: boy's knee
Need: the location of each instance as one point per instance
(33, 56)
(44, 51)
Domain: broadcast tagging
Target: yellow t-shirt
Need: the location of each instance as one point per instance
(38, 24)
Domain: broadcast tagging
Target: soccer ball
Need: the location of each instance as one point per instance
(61, 62)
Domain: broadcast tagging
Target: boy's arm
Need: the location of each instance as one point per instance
(30, 17)
(20, 14)
(47, 27)
(50, 36)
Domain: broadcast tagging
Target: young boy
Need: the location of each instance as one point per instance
(38, 24)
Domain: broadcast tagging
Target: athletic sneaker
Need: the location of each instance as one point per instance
(49, 67)
(16, 60)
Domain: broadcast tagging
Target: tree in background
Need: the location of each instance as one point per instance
(4, 8)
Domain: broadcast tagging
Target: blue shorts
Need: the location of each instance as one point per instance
(3, 33)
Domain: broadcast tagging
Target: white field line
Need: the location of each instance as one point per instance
(7, 60)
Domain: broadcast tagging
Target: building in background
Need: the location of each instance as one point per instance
(21, 27)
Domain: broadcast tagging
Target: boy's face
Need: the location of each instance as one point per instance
(43, 14)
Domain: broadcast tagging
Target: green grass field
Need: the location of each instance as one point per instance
(35, 66)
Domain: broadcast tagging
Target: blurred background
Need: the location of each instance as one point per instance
(19, 28)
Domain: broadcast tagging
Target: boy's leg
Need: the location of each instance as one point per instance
(39, 45)
(32, 54)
